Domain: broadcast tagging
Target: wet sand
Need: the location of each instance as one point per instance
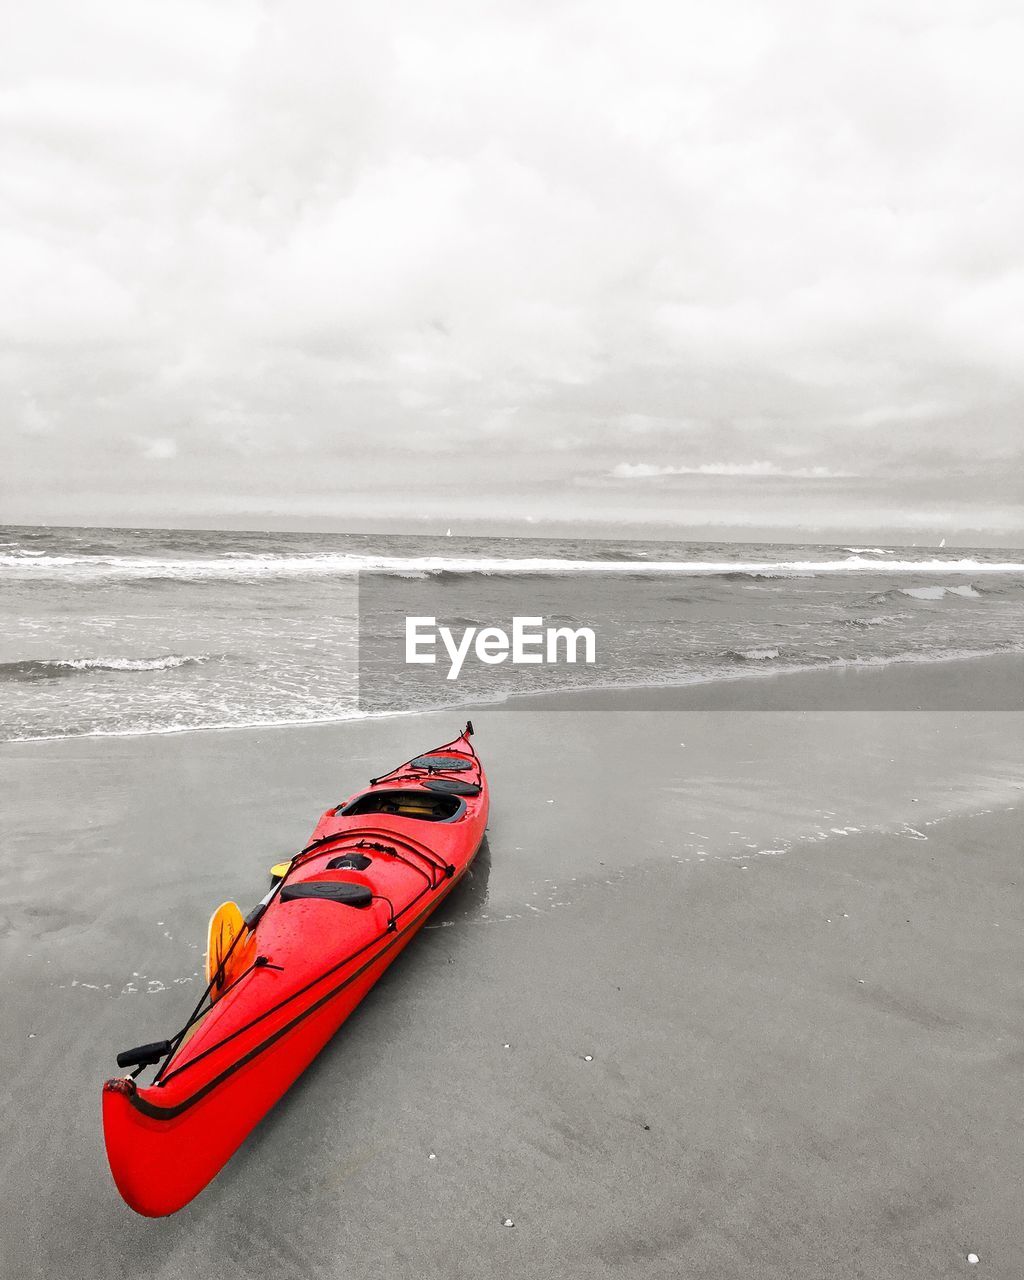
(992, 683)
(789, 942)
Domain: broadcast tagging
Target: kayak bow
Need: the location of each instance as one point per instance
(375, 869)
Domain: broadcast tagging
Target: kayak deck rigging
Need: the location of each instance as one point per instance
(280, 888)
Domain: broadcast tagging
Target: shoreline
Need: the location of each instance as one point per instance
(906, 684)
(989, 682)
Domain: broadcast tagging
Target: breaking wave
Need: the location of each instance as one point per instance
(256, 567)
(940, 592)
(54, 668)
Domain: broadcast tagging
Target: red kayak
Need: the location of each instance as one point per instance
(283, 981)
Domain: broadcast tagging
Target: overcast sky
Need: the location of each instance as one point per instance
(745, 264)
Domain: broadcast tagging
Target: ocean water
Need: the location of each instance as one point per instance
(115, 631)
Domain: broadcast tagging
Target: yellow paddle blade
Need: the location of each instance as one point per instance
(226, 924)
(279, 870)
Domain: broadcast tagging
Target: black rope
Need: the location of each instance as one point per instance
(421, 850)
(254, 916)
(385, 848)
(159, 1112)
(392, 923)
(428, 858)
(379, 847)
(392, 927)
(465, 736)
(249, 927)
(319, 844)
(261, 962)
(198, 1012)
(253, 919)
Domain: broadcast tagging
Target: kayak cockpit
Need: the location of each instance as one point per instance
(427, 806)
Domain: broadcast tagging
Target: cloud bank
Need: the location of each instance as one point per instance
(654, 471)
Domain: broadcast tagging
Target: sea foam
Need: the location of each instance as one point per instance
(225, 568)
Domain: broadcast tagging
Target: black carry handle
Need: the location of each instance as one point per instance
(146, 1055)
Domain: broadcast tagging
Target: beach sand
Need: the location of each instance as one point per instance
(730, 993)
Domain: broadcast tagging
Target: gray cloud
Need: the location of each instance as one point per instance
(264, 258)
(760, 470)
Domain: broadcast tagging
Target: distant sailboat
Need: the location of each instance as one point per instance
(449, 533)
(942, 543)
